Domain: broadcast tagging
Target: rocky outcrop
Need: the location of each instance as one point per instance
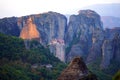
(83, 36)
(80, 31)
(107, 53)
(29, 31)
(96, 48)
(9, 26)
(50, 25)
(46, 26)
(111, 47)
(77, 70)
(57, 47)
(116, 47)
(82, 25)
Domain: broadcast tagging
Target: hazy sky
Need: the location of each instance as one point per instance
(26, 7)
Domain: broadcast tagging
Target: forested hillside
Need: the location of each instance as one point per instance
(19, 63)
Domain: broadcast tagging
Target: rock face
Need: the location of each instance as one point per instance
(80, 31)
(29, 31)
(107, 53)
(46, 26)
(96, 48)
(51, 25)
(111, 47)
(57, 47)
(9, 26)
(83, 24)
(116, 47)
(77, 70)
(83, 36)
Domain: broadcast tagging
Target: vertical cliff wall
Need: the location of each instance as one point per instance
(111, 48)
(57, 47)
(80, 31)
(51, 25)
(29, 31)
(45, 26)
(107, 53)
(95, 51)
(9, 26)
(82, 36)
(48, 26)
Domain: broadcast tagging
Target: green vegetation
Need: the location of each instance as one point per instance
(116, 76)
(95, 68)
(16, 62)
(104, 74)
(113, 67)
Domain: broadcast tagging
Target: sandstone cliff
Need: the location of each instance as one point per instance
(50, 25)
(29, 31)
(77, 70)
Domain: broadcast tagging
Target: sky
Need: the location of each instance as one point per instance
(9, 8)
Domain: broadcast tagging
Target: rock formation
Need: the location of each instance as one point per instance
(96, 48)
(116, 47)
(9, 26)
(80, 31)
(57, 47)
(51, 26)
(45, 26)
(107, 53)
(29, 31)
(77, 70)
(83, 36)
(111, 47)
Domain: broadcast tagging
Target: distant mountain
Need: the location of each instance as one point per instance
(106, 9)
(110, 21)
